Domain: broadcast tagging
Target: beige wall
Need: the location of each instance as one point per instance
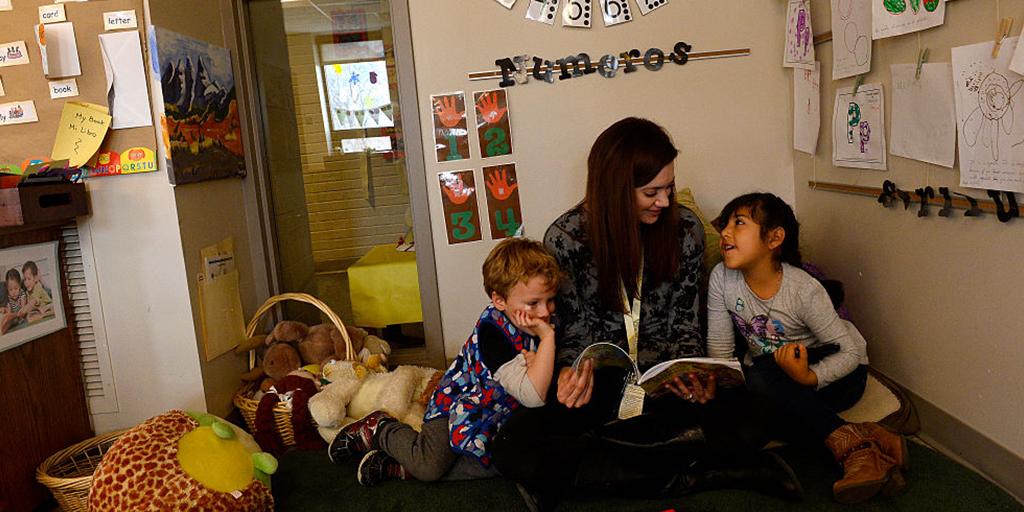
(733, 137)
(938, 299)
(211, 211)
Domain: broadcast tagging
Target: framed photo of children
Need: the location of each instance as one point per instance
(32, 306)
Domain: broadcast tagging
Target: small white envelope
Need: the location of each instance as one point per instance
(126, 79)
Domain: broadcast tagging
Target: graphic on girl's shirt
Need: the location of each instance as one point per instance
(761, 332)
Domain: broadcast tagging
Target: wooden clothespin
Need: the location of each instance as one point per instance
(1004, 31)
(921, 59)
(858, 83)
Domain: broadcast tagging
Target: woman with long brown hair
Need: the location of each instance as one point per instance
(632, 259)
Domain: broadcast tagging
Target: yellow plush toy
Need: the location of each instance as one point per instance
(184, 461)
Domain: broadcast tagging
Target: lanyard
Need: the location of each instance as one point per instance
(632, 315)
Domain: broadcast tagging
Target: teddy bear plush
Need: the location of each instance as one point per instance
(356, 390)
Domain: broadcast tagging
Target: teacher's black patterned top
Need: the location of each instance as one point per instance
(670, 325)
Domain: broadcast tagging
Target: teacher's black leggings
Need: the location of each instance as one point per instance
(547, 448)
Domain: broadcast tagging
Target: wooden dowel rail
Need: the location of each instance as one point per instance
(985, 205)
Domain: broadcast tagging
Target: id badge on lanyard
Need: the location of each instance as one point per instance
(632, 315)
(632, 403)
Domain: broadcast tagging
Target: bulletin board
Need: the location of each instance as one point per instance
(22, 142)
(966, 23)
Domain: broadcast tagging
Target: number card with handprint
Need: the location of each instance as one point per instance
(458, 199)
(451, 135)
(493, 123)
(504, 211)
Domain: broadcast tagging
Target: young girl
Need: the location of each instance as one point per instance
(14, 308)
(788, 323)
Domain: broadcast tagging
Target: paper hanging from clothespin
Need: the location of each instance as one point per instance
(921, 59)
(1004, 31)
(858, 83)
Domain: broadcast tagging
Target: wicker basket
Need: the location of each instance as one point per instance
(282, 414)
(68, 473)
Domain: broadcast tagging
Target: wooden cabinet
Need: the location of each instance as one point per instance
(42, 400)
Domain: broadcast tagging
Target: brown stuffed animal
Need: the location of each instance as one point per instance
(280, 359)
(288, 331)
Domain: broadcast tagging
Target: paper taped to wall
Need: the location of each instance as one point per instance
(80, 132)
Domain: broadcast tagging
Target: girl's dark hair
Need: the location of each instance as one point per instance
(14, 274)
(770, 212)
(628, 155)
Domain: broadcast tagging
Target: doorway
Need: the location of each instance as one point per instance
(336, 92)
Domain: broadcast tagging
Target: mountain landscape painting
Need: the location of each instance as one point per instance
(200, 123)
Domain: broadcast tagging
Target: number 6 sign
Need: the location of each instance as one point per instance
(615, 12)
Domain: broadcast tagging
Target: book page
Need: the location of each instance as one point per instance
(727, 372)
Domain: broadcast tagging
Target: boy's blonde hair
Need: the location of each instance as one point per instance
(516, 260)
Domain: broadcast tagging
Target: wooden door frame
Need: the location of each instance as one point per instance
(408, 99)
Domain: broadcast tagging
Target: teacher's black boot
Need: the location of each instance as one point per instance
(764, 472)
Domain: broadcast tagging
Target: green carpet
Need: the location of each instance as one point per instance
(308, 482)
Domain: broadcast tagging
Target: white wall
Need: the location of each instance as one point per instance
(938, 298)
(144, 300)
(729, 117)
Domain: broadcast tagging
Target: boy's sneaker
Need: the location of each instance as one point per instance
(357, 437)
(378, 466)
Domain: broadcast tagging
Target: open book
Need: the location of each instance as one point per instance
(727, 372)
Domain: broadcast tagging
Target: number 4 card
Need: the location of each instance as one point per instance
(493, 123)
(458, 198)
(503, 209)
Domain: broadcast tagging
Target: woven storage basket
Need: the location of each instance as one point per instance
(282, 414)
(68, 473)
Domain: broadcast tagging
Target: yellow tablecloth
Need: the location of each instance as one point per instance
(385, 288)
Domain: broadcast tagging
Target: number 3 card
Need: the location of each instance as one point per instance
(493, 123)
(503, 209)
(458, 197)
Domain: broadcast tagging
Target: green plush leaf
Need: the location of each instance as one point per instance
(204, 420)
(223, 430)
(264, 462)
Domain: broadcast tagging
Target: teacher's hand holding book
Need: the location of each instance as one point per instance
(696, 392)
(576, 386)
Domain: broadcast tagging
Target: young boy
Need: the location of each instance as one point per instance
(507, 362)
(39, 301)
